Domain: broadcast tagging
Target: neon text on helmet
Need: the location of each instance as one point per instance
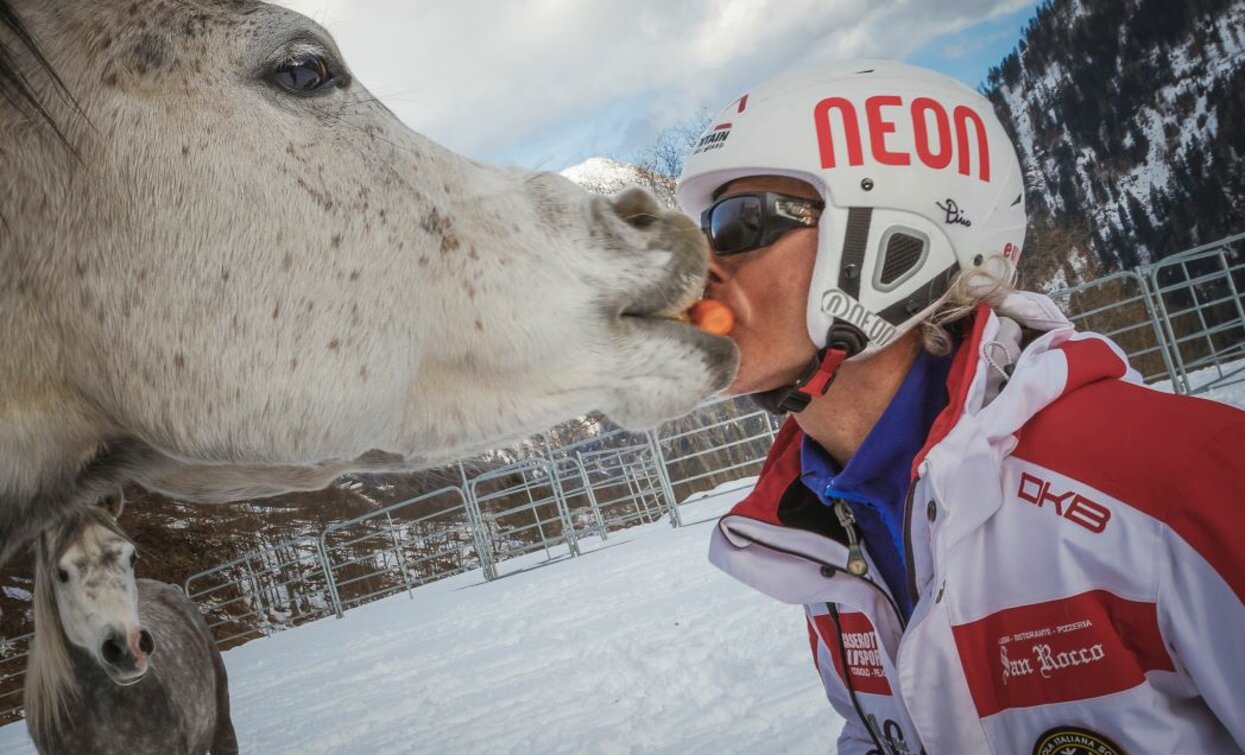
(932, 128)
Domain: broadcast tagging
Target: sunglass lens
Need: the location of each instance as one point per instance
(735, 224)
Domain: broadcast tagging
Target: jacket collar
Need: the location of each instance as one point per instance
(970, 437)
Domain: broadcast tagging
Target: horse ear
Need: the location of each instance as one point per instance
(114, 504)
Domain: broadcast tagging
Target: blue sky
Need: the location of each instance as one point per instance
(969, 54)
(545, 84)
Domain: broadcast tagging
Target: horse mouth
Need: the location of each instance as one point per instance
(719, 354)
(128, 680)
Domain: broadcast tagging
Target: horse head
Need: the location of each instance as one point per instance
(221, 254)
(84, 571)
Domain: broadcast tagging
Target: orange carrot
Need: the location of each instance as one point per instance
(712, 317)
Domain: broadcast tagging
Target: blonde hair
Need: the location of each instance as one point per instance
(989, 282)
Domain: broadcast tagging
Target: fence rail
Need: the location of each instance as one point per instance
(1173, 318)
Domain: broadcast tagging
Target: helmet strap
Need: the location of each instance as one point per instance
(843, 342)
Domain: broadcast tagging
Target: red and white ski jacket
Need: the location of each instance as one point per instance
(1077, 543)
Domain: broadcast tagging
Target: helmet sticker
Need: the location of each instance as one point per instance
(716, 137)
(954, 214)
(839, 305)
(886, 115)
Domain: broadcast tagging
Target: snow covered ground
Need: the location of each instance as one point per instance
(637, 646)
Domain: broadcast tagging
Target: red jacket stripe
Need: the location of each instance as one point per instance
(1106, 435)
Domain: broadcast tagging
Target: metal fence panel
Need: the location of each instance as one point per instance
(624, 485)
(400, 547)
(267, 590)
(13, 654)
(521, 511)
(715, 446)
(1199, 303)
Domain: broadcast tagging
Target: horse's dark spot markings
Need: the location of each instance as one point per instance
(449, 243)
(423, 260)
(185, 150)
(479, 326)
(354, 275)
(363, 373)
(337, 241)
(334, 345)
(293, 364)
(179, 360)
(473, 254)
(276, 311)
(224, 274)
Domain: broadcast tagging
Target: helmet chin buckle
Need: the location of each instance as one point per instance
(843, 342)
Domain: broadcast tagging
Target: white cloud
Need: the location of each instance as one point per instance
(555, 80)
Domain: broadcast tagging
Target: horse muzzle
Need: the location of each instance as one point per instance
(126, 656)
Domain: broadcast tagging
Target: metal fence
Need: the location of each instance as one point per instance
(399, 547)
(269, 589)
(13, 654)
(1174, 318)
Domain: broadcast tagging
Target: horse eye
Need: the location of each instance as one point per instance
(62, 575)
(303, 75)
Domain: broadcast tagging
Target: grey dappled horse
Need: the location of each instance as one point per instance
(227, 271)
(118, 665)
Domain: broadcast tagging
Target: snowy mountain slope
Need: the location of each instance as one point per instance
(1127, 116)
(603, 175)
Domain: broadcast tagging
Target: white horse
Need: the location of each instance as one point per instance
(94, 683)
(227, 271)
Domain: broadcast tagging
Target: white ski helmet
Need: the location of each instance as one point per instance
(919, 179)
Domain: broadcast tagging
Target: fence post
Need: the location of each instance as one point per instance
(592, 497)
(1179, 377)
(329, 579)
(475, 519)
(400, 555)
(663, 475)
(559, 495)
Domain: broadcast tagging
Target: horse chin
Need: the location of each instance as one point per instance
(670, 368)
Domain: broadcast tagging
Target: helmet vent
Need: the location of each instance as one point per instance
(903, 251)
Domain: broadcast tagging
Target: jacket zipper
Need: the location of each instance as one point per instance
(856, 564)
(909, 561)
(847, 679)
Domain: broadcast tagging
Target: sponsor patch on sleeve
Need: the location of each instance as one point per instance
(1073, 740)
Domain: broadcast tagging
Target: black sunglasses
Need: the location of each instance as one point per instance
(743, 222)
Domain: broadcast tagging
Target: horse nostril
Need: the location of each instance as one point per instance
(637, 207)
(111, 650)
(146, 643)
